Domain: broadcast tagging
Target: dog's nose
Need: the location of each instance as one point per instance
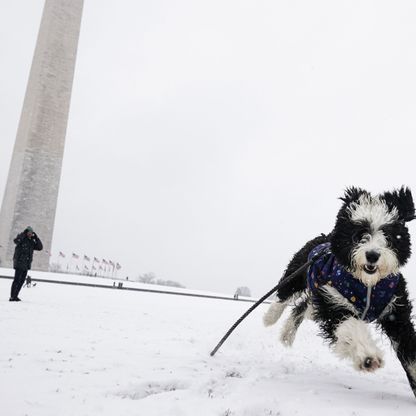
(372, 256)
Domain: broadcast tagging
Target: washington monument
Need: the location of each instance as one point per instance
(32, 186)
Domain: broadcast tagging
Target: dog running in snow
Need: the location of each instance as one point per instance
(356, 280)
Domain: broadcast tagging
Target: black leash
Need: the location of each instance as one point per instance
(270, 292)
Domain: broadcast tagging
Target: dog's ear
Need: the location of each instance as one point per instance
(402, 200)
(352, 194)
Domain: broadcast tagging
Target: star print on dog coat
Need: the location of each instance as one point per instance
(327, 271)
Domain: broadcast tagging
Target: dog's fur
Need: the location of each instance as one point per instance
(366, 227)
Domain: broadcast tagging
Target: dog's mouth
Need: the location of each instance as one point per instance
(370, 268)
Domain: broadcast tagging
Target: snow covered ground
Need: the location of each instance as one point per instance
(69, 350)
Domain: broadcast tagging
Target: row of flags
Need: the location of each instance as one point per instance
(96, 264)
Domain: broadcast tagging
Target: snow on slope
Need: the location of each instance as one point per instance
(86, 351)
(108, 281)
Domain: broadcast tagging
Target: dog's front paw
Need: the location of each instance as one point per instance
(371, 364)
(354, 341)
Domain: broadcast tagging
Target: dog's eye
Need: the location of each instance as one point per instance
(361, 232)
(398, 236)
(357, 237)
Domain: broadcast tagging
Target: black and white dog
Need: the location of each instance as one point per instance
(354, 280)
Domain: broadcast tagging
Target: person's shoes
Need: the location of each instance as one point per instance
(14, 300)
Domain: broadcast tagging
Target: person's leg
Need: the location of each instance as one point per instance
(21, 282)
(19, 279)
(15, 283)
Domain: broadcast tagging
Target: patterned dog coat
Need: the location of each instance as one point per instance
(327, 271)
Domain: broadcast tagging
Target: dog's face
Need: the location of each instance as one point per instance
(370, 238)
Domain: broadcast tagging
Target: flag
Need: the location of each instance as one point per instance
(75, 256)
(105, 261)
(86, 258)
(61, 254)
(118, 266)
(111, 263)
(85, 267)
(96, 260)
(49, 253)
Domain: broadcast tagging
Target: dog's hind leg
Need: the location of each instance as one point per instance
(293, 288)
(277, 307)
(274, 312)
(288, 334)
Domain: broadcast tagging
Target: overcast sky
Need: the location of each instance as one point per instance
(208, 140)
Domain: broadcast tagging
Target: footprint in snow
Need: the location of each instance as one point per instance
(143, 390)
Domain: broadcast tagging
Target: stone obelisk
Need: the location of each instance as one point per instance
(32, 186)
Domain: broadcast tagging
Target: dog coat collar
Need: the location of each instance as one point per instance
(327, 271)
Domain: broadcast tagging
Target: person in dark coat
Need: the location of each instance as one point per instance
(26, 242)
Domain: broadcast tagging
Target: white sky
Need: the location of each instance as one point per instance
(207, 141)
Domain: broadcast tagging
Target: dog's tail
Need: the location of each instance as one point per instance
(274, 313)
